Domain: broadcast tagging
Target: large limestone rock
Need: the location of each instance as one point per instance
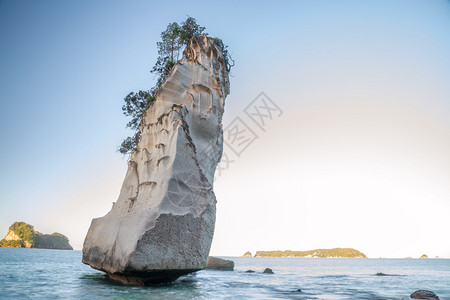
(162, 224)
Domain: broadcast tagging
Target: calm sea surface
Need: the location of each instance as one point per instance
(56, 274)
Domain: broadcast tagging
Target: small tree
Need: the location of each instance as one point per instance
(135, 106)
(129, 144)
(173, 39)
(190, 28)
(168, 47)
(229, 62)
(170, 41)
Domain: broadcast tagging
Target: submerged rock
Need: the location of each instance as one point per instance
(268, 271)
(384, 274)
(424, 294)
(162, 224)
(249, 271)
(215, 263)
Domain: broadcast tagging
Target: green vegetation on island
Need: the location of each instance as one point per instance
(12, 244)
(23, 235)
(317, 253)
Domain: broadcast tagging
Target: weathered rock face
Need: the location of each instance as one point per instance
(162, 224)
(12, 236)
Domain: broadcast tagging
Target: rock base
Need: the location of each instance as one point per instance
(149, 278)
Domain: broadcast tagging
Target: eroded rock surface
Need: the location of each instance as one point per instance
(162, 224)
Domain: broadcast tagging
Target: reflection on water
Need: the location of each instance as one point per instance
(44, 274)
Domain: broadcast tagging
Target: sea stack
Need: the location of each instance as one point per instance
(162, 225)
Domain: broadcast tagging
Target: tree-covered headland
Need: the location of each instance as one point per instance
(317, 253)
(23, 235)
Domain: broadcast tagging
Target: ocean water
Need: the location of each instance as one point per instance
(58, 274)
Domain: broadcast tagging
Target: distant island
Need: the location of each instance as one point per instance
(247, 254)
(317, 253)
(23, 235)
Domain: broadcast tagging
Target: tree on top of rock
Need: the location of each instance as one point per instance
(190, 28)
(170, 47)
(173, 39)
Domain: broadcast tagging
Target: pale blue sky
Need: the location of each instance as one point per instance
(363, 86)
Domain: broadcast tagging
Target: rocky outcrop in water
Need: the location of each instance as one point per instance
(424, 294)
(247, 254)
(215, 263)
(162, 224)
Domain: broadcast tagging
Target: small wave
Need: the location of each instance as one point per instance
(384, 274)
